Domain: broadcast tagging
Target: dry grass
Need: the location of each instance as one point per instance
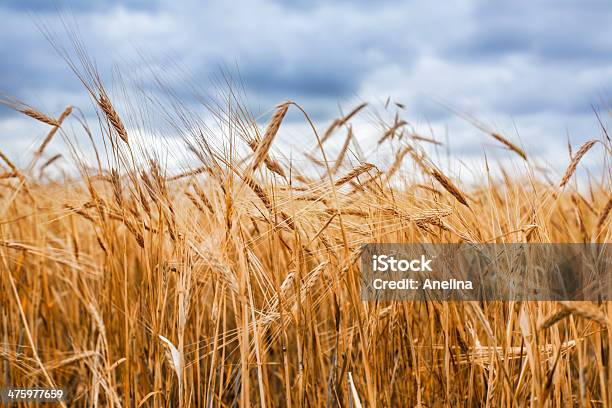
(232, 284)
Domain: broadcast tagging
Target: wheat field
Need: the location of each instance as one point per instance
(235, 282)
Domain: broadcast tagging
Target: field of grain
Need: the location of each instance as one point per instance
(236, 282)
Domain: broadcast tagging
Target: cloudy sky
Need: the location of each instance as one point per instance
(532, 70)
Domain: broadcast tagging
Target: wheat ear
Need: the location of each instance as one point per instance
(113, 117)
(266, 142)
(574, 163)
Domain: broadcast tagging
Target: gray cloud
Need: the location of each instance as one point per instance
(294, 80)
(570, 32)
(494, 60)
(77, 6)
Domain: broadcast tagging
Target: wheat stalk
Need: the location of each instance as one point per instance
(425, 139)
(49, 162)
(341, 121)
(397, 162)
(9, 163)
(574, 163)
(509, 145)
(263, 196)
(112, 116)
(270, 163)
(53, 131)
(449, 186)
(266, 142)
(552, 319)
(39, 116)
(343, 150)
(194, 172)
(389, 133)
(352, 113)
(585, 310)
(355, 172)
